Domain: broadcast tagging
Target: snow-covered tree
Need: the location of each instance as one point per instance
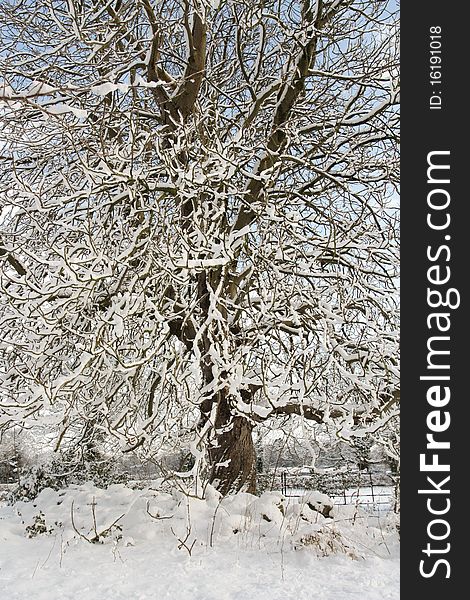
(198, 220)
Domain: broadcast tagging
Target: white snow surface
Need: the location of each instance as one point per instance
(242, 547)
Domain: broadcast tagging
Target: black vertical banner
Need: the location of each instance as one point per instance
(434, 323)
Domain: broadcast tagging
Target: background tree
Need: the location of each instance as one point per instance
(198, 225)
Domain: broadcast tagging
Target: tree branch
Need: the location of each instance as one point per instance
(12, 261)
(188, 90)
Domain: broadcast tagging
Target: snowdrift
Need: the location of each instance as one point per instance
(124, 516)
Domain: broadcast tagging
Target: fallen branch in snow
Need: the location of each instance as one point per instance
(98, 535)
(157, 516)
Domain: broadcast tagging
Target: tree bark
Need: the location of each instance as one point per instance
(232, 456)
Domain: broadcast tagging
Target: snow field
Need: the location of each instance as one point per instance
(148, 544)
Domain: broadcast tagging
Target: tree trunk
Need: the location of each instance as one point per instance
(232, 457)
(231, 452)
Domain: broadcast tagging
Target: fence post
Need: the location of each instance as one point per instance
(371, 488)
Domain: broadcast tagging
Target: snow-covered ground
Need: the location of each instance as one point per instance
(152, 545)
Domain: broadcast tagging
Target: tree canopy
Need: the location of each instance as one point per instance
(198, 229)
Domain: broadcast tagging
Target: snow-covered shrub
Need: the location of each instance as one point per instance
(12, 459)
(39, 526)
(324, 539)
(32, 481)
(62, 470)
(319, 502)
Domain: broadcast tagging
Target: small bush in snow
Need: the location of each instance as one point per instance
(63, 470)
(325, 540)
(39, 526)
(32, 481)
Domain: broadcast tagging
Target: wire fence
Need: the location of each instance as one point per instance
(376, 491)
